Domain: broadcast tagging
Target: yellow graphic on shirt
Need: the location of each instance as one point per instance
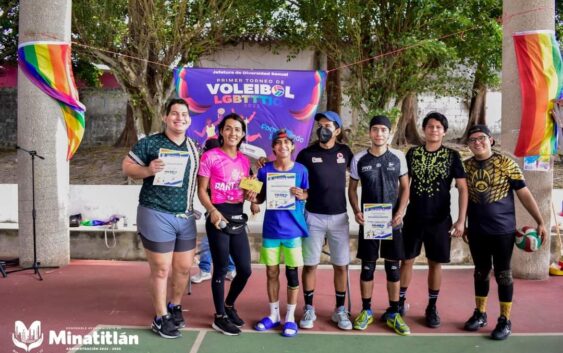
(490, 181)
(428, 169)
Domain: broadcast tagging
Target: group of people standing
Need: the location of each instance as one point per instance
(416, 186)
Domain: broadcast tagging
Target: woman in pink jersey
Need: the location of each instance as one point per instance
(221, 170)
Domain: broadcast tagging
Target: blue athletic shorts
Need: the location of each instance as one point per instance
(166, 232)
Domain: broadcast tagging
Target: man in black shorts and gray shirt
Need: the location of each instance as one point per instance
(327, 162)
(432, 167)
(385, 190)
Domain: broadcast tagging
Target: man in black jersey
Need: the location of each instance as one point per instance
(432, 167)
(493, 179)
(327, 162)
(385, 193)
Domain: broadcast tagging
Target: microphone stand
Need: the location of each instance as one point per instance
(36, 264)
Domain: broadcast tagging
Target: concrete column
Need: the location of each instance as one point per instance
(41, 128)
(519, 16)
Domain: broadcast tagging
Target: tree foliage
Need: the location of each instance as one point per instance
(153, 36)
(9, 17)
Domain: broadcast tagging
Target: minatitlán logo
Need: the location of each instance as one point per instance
(27, 338)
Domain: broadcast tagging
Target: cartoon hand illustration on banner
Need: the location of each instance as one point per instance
(307, 111)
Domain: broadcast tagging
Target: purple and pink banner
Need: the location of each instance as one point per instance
(266, 99)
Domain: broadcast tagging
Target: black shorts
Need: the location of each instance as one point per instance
(435, 237)
(371, 250)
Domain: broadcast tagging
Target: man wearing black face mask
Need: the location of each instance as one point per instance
(326, 215)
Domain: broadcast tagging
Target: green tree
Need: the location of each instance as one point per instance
(9, 18)
(480, 52)
(152, 37)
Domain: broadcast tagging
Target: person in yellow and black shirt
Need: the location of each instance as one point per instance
(491, 179)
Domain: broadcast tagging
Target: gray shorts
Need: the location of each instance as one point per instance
(166, 232)
(337, 231)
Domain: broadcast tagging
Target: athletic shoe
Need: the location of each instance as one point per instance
(503, 329)
(233, 316)
(385, 315)
(396, 322)
(309, 317)
(225, 326)
(341, 316)
(164, 327)
(231, 275)
(176, 312)
(200, 277)
(476, 321)
(403, 307)
(362, 321)
(432, 318)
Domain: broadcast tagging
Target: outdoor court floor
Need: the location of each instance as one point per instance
(111, 298)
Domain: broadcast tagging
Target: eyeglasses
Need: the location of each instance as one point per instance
(474, 140)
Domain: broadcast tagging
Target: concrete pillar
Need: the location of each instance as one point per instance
(519, 16)
(41, 128)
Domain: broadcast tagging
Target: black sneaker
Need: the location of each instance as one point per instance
(383, 317)
(432, 317)
(476, 321)
(233, 316)
(224, 325)
(503, 329)
(177, 316)
(165, 327)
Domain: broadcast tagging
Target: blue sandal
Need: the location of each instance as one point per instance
(289, 329)
(266, 324)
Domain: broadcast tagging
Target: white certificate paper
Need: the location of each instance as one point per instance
(175, 163)
(278, 196)
(377, 221)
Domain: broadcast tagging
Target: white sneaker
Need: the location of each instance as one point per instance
(200, 277)
(342, 318)
(309, 317)
(231, 275)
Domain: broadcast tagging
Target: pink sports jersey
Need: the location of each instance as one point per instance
(224, 175)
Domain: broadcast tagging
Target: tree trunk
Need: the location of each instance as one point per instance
(525, 265)
(128, 136)
(41, 128)
(333, 86)
(477, 112)
(406, 132)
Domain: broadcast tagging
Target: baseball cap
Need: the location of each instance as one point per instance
(332, 116)
(380, 120)
(480, 128)
(282, 133)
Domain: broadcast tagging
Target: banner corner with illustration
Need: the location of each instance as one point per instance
(267, 100)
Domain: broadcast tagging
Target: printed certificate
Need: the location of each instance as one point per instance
(278, 196)
(377, 221)
(175, 163)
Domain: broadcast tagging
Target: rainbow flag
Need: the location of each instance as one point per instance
(48, 66)
(541, 81)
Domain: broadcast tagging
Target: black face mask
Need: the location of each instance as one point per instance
(324, 134)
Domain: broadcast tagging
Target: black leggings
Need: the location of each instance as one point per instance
(221, 245)
(490, 250)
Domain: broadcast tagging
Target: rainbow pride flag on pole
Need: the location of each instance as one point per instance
(48, 66)
(541, 81)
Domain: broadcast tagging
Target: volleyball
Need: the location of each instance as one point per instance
(527, 239)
